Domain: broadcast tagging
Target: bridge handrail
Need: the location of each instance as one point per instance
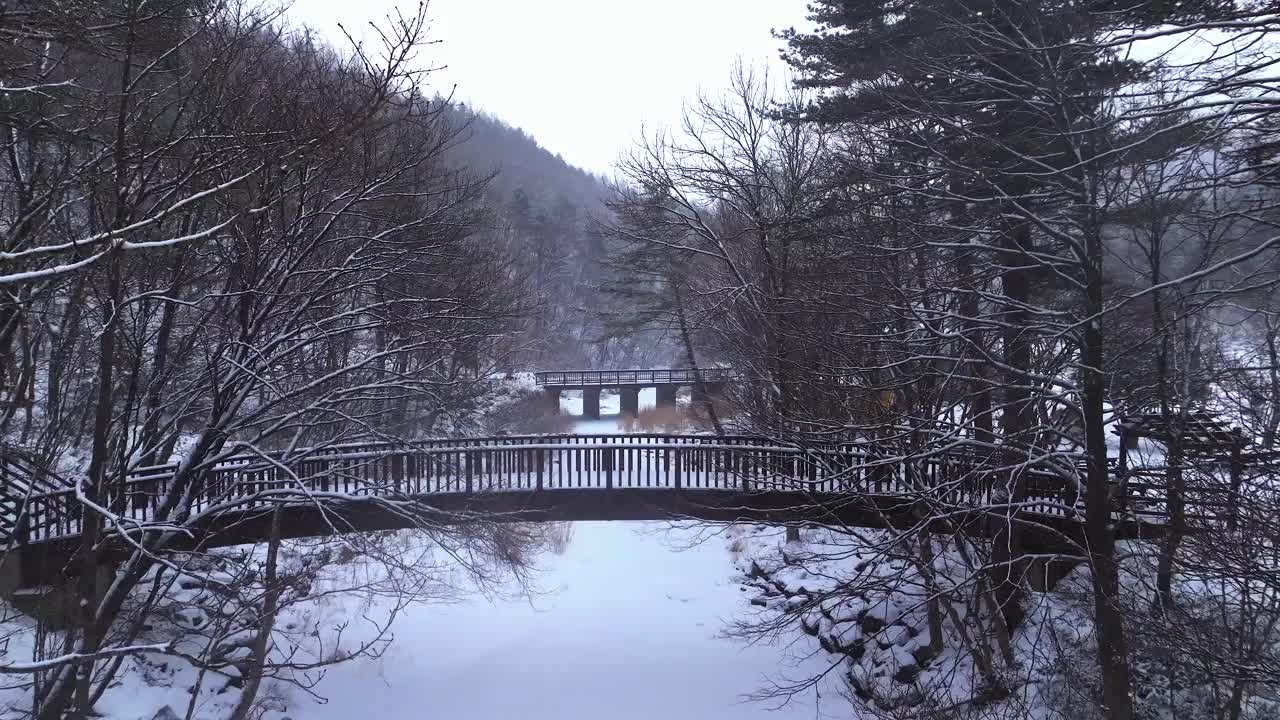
(321, 451)
(745, 443)
(362, 450)
(504, 463)
(638, 376)
(346, 452)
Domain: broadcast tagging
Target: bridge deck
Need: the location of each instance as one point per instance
(348, 488)
(630, 378)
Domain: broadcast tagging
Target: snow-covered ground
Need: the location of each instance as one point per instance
(628, 623)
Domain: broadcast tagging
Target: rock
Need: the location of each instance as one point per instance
(907, 674)
(236, 654)
(908, 670)
(871, 624)
(855, 650)
(166, 713)
(894, 635)
(231, 679)
(191, 618)
(860, 688)
(923, 655)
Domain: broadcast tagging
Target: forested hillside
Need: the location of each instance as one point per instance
(546, 217)
(201, 260)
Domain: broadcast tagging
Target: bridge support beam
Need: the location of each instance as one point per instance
(667, 395)
(630, 404)
(591, 403)
(56, 603)
(553, 400)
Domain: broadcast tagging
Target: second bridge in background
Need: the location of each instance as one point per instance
(629, 383)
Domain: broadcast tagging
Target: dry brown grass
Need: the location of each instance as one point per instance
(658, 420)
(549, 424)
(724, 407)
(681, 418)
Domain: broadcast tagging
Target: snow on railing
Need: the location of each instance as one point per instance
(538, 463)
(609, 378)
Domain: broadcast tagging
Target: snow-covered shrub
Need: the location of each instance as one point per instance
(511, 406)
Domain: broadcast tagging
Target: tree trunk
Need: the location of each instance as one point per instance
(1175, 501)
(267, 622)
(686, 339)
(1113, 652)
(68, 342)
(1018, 422)
(971, 330)
(147, 441)
(96, 491)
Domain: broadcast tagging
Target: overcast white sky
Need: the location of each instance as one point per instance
(581, 76)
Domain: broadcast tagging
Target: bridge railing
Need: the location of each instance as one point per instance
(564, 462)
(22, 479)
(610, 378)
(950, 480)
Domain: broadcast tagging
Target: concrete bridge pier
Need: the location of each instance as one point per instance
(553, 400)
(667, 395)
(591, 403)
(630, 406)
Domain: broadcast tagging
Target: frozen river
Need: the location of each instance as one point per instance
(628, 626)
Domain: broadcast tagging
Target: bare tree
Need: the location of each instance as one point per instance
(275, 264)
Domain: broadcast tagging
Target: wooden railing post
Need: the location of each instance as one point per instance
(22, 533)
(608, 467)
(469, 460)
(1237, 479)
(540, 461)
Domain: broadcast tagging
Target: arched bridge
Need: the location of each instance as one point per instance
(628, 383)
(378, 486)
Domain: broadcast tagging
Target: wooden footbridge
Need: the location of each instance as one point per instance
(382, 486)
